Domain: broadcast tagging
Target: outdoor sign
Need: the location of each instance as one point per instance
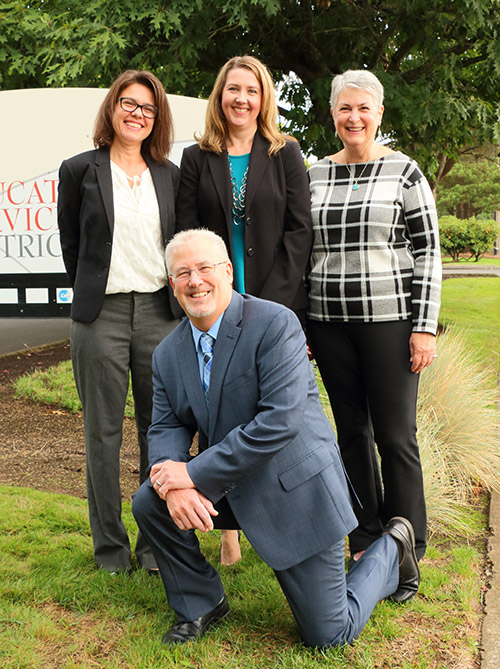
(46, 127)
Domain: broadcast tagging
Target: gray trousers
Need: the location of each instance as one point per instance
(119, 343)
(330, 608)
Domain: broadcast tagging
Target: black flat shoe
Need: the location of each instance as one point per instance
(401, 530)
(194, 629)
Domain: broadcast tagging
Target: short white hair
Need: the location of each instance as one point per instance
(361, 79)
(212, 240)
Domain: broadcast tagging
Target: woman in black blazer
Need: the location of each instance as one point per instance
(247, 182)
(116, 212)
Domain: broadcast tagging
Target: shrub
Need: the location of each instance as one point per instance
(482, 236)
(453, 236)
(470, 235)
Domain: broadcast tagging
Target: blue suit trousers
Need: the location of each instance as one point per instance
(330, 607)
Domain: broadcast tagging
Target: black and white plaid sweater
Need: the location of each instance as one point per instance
(376, 251)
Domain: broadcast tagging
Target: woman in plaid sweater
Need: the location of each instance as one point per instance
(374, 295)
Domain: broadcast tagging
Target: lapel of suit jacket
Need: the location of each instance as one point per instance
(164, 194)
(227, 338)
(218, 165)
(189, 373)
(105, 181)
(259, 162)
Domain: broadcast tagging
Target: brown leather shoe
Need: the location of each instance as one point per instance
(194, 629)
(401, 530)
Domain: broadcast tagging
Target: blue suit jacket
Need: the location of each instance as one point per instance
(265, 443)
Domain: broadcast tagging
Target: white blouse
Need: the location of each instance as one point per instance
(137, 257)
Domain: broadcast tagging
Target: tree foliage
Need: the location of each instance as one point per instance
(439, 61)
(471, 188)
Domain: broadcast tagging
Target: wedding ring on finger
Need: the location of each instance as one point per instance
(158, 484)
(435, 355)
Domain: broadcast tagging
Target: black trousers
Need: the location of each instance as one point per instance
(366, 371)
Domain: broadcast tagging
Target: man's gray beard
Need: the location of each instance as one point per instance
(202, 312)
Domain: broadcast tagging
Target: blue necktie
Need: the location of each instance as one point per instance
(207, 349)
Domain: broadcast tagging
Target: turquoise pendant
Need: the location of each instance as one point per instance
(355, 187)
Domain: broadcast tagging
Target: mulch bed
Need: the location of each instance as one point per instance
(43, 447)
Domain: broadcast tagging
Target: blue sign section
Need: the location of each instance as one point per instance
(63, 295)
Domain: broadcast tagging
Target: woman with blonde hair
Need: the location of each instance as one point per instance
(246, 181)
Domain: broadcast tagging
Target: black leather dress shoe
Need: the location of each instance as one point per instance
(194, 629)
(401, 530)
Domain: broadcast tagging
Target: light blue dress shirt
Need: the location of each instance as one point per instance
(214, 331)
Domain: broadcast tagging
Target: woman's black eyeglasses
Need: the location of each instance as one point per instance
(130, 105)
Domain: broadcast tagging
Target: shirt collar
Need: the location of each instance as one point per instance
(214, 330)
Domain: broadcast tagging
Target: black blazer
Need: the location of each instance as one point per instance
(86, 219)
(278, 228)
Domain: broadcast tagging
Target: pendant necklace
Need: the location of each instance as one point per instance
(355, 185)
(238, 205)
(136, 181)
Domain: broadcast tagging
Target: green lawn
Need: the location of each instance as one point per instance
(57, 610)
(473, 305)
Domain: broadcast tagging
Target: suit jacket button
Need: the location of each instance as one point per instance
(249, 220)
(250, 252)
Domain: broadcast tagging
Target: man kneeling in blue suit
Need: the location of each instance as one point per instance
(268, 462)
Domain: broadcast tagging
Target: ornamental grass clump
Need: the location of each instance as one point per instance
(459, 431)
(446, 515)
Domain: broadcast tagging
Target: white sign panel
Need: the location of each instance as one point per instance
(29, 236)
(49, 126)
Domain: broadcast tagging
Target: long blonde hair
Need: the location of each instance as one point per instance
(215, 134)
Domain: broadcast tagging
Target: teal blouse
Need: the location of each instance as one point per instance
(238, 166)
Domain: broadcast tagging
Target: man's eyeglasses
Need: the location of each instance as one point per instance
(130, 105)
(201, 270)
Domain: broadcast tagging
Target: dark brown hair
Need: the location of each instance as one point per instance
(159, 142)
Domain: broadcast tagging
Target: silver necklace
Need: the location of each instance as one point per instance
(355, 185)
(238, 208)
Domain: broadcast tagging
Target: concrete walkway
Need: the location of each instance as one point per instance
(471, 270)
(21, 334)
(490, 641)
